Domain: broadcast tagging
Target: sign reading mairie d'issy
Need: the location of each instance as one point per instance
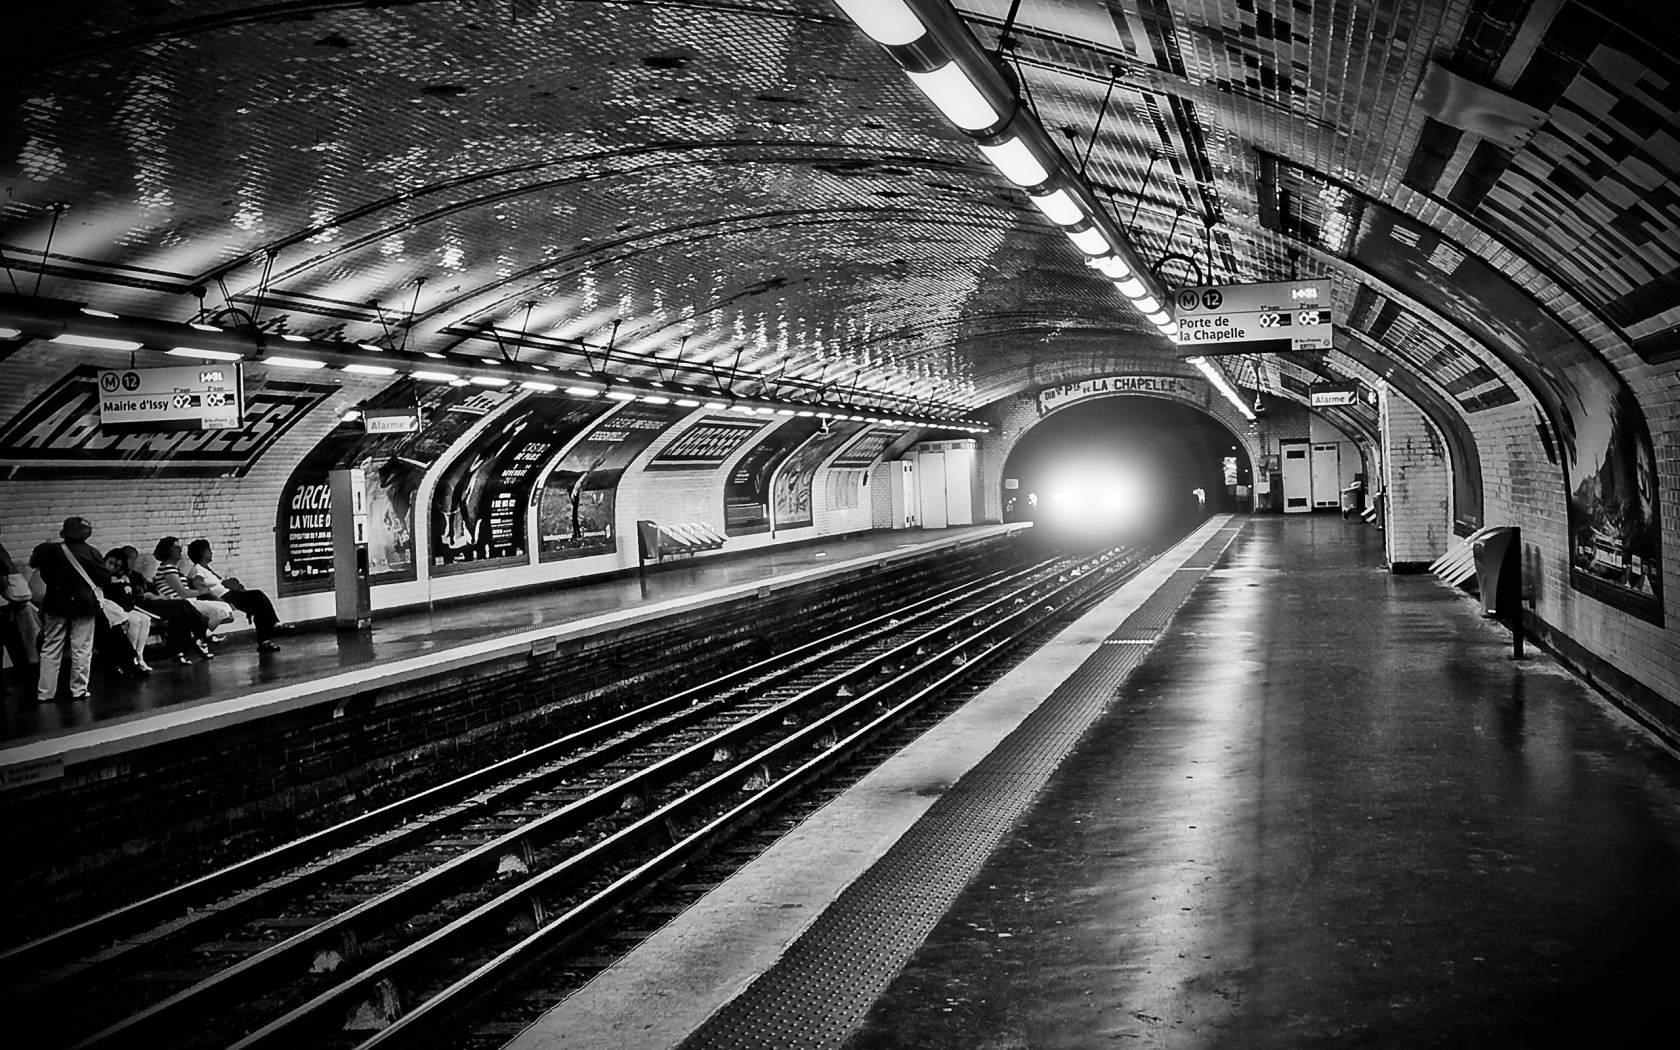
(1054, 397)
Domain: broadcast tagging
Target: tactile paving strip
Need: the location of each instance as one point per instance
(821, 989)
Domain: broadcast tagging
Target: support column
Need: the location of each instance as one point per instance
(1417, 486)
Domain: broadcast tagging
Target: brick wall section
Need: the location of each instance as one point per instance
(1419, 484)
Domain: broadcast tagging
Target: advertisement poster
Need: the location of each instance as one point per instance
(58, 435)
(707, 444)
(867, 449)
(479, 508)
(746, 492)
(392, 464)
(1605, 445)
(792, 489)
(576, 507)
(1603, 442)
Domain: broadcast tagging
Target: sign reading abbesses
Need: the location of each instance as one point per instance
(185, 397)
(1280, 315)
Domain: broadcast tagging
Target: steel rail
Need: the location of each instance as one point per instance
(188, 900)
(298, 1026)
(436, 884)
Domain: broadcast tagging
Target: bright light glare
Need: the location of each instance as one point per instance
(888, 22)
(1095, 498)
(1059, 208)
(949, 88)
(1016, 161)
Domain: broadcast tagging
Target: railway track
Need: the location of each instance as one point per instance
(373, 932)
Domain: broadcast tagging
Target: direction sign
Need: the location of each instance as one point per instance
(1254, 318)
(210, 396)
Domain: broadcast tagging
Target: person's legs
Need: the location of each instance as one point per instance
(54, 630)
(29, 628)
(256, 605)
(138, 628)
(81, 654)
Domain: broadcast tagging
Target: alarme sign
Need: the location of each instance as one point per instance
(188, 397)
(1268, 318)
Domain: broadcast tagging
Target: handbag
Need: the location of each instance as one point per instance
(16, 587)
(114, 614)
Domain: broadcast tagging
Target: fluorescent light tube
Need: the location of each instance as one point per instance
(293, 362)
(531, 384)
(205, 355)
(91, 312)
(1131, 288)
(96, 342)
(715, 405)
(887, 22)
(370, 370)
(1146, 304)
(1113, 267)
(436, 377)
(1158, 318)
(1059, 208)
(653, 400)
(1091, 241)
(687, 402)
(1016, 161)
(487, 381)
(9, 333)
(204, 327)
(294, 338)
(949, 88)
(1217, 378)
(621, 395)
(583, 391)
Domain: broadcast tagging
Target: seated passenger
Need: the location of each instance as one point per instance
(168, 582)
(122, 646)
(183, 626)
(206, 583)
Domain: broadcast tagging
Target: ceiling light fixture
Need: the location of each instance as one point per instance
(583, 391)
(203, 327)
(715, 405)
(97, 342)
(531, 384)
(621, 395)
(1059, 208)
(1016, 162)
(687, 402)
(436, 377)
(91, 312)
(375, 349)
(1090, 241)
(949, 88)
(290, 338)
(887, 22)
(491, 381)
(293, 362)
(370, 370)
(1217, 378)
(204, 355)
(653, 400)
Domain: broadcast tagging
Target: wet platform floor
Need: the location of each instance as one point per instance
(1327, 810)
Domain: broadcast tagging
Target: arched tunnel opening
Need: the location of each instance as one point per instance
(1124, 470)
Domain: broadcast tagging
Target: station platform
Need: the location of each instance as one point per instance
(316, 666)
(1267, 795)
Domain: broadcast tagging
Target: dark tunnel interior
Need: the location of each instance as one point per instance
(1122, 470)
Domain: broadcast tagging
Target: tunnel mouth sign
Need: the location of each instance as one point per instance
(1267, 317)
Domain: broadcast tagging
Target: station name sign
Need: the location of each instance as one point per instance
(184, 397)
(1254, 318)
(1052, 398)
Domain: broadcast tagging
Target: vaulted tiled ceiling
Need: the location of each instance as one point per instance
(754, 187)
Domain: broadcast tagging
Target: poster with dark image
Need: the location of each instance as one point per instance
(867, 449)
(392, 464)
(793, 482)
(1603, 440)
(746, 491)
(578, 501)
(479, 508)
(707, 444)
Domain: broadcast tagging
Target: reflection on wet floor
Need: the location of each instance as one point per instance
(1329, 810)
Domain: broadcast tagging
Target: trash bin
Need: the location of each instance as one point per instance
(1353, 499)
(1499, 573)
